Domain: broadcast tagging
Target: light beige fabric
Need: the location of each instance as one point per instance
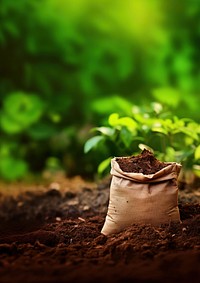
(139, 198)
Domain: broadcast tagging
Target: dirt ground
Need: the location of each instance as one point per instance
(51, 233)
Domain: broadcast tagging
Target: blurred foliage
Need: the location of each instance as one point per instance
(67, 65)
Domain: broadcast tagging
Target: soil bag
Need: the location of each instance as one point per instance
(148, 195)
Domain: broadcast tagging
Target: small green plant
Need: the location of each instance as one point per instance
(153, 127)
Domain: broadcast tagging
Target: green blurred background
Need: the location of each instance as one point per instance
(66, 65)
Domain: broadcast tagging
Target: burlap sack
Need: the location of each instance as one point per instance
(139, 198)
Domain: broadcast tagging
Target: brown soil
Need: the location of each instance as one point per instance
(54, 236)
(144, 163)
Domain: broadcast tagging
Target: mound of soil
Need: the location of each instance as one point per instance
(145, 163)
(54, 236)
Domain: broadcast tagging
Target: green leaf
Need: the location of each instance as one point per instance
(126, 137)
(104, 165)
(91, 143)
(20, 110)
(170, 154)
(113, 119)
(183, 155)
(107, 131)
(12, 169)
(128, 122)
(197, 153)
(173, 96)
(160, 130)
(108, 105)
(23, 108)
(193, 126)
(189, 133)
(178, 122)
(9, 125)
